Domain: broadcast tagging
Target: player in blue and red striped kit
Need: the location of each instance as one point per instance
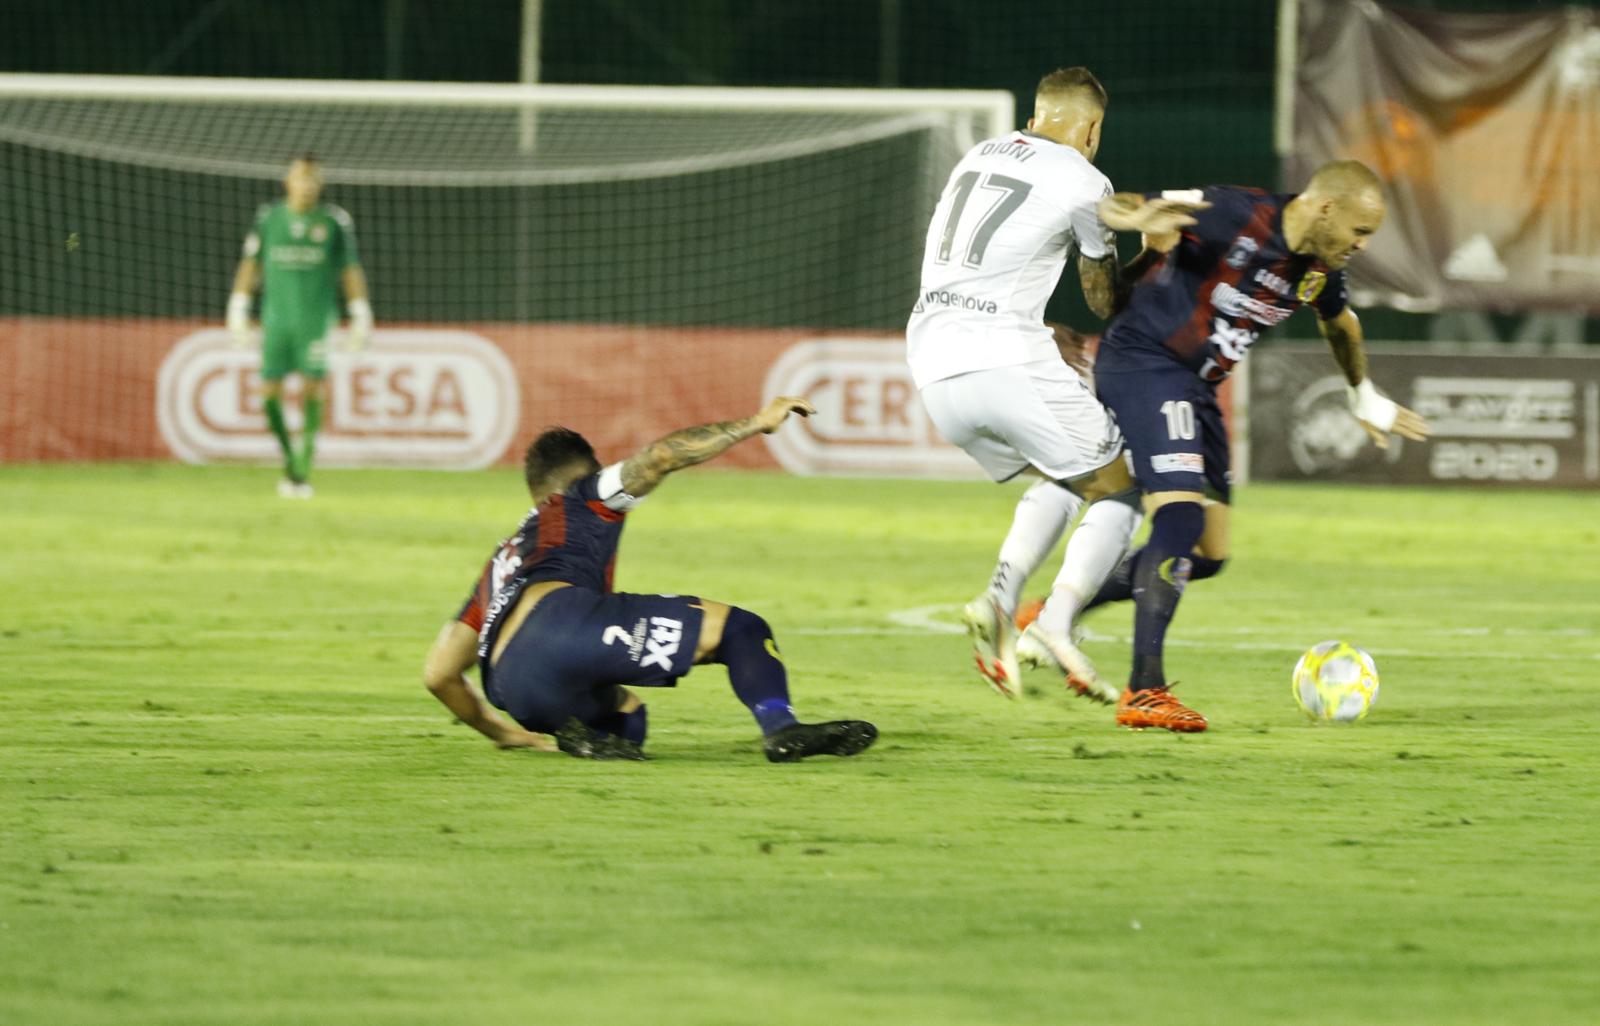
(1249, 262)
(557, 648)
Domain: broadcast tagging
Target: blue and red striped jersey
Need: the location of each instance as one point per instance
(1231, 277)
(578, 533)
(501, 569)
(571, 536)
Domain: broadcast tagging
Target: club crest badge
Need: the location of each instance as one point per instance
(1310, 286)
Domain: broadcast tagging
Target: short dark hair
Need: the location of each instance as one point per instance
(557, 447)
(306, 157)
(1067, 81)
(1344, 178)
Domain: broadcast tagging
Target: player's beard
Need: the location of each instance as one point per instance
(1326, 245)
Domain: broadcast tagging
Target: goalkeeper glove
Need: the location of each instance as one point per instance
(360, 332)
(1371, 407)
(239, 318)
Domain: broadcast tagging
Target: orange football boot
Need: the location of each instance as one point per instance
(1157, 708)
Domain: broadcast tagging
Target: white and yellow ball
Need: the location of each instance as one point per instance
(1335, 681)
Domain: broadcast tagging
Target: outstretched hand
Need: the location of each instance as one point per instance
(1407, 424)
(1381, 416)
(1160, 219)
(777, 411)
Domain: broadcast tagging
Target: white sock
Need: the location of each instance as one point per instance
(1043, 512)
(1096, 546)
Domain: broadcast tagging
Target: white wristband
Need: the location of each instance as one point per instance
(360, 316)
(239, 311)
(1365, 402)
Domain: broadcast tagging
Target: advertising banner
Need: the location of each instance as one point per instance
(869, 418)
(459, 396)
(1497, 418)
(422, 398)
(466, 396)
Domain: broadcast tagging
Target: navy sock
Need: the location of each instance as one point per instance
(636, 724)
(1118, 587)
(755, 669)
(1163, 568)
(629, 726)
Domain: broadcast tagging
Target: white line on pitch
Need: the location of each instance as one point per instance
(924, 620)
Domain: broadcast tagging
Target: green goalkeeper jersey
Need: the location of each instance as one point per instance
(302, 257)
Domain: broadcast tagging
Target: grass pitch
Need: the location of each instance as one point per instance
(225, 796)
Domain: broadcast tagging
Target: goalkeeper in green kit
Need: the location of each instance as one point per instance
(300, 251)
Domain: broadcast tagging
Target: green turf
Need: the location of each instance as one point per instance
(225, 796)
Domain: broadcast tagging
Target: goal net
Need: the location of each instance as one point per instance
(630, 258)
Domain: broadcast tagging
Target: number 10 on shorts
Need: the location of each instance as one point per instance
(1180, 419)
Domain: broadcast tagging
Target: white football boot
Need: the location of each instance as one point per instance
(994, 644)
(1042, 649)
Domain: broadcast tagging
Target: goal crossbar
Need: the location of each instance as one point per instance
(997, 108)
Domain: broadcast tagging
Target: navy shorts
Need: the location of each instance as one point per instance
(1172, 425)
(569, 656)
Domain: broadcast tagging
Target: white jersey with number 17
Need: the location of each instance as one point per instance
(1001, 234)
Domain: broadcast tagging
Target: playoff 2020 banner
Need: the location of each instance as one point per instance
(1497, 418)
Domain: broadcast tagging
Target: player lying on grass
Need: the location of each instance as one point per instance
(1249, 262)
(991, 378)
(556, 647)
(301, 252)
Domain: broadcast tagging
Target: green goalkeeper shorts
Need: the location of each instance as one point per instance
(284, 351)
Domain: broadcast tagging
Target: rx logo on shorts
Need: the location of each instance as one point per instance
(661, 644)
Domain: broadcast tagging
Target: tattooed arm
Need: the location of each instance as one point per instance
(646, 468)
(1099, 281)
(1107, 286)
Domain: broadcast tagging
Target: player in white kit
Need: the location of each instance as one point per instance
(995, 384)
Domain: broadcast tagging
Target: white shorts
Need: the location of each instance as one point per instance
(1040, 414)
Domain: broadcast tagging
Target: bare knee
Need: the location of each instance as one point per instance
(711, 624)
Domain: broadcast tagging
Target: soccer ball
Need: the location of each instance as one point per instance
(1335, 681)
